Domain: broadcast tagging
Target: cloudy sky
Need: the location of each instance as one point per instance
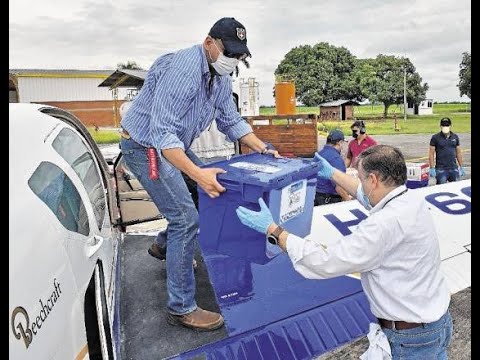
(86, 34)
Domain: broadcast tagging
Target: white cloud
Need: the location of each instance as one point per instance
(83, 34)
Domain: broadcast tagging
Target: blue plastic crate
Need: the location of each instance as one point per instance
(288, 187)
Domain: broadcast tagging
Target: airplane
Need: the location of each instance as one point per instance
(81, 286)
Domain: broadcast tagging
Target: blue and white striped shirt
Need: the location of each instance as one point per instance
(174, 105)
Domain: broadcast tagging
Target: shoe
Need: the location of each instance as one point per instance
(161, 253)
(198, 319)
(157, 251)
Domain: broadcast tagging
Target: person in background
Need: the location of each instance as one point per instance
(327, 191)
(360, 142)
(183, 92)
(445, 153)
(396, 250)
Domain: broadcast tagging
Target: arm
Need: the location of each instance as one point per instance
(459, 154)
(348, 159)
(347, 182)
(340, 191)
(205, 178)
(357, 252)
(338, 163)
(431, 156)
(360, 251)
(254, 143)
(327, 171)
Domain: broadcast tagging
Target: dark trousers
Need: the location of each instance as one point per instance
(324, 199)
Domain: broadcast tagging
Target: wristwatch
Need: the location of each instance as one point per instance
(273, 236)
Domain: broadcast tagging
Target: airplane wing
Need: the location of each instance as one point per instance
(450, 205)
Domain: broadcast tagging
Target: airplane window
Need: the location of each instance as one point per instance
(71, 147)
(57, 191)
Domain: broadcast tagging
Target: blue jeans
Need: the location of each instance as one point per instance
(429, 341)
(172, 198)
(444, 176)
(161, 239)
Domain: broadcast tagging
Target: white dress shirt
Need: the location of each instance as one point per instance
(396, 251)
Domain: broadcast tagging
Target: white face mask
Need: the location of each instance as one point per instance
(224, 65)
(445, 129)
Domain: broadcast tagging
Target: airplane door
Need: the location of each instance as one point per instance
(95, 241)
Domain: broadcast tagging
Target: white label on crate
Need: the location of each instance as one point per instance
(256, 167)
(292, 201)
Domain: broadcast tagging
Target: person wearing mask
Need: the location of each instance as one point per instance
(395, 249)
(360, 142)
(445, 153)
(183, 92)
(328, 192)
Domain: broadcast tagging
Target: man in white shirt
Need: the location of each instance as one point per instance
(395, 249)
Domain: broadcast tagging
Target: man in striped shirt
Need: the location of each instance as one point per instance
(183, 93)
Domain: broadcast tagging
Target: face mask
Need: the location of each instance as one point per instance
(362, 198)
(445, 129)
(224, 65)
(355, 134)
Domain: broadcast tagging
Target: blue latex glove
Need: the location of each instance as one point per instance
(433, 173)
(462, 171)
(259, 221)
(326, 170)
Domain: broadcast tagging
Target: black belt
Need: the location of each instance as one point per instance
(397, 325)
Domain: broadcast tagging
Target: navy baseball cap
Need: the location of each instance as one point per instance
(233, 35)
(445, 121)
(335, 135)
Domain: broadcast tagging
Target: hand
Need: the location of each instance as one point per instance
(274, 153)
(259, 221)
(433, 173)
(207, 180)
(462, 171)
(326, 170)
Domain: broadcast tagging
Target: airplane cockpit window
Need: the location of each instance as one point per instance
(71, 147)
(57, 191)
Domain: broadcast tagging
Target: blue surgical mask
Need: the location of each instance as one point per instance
(224, 65)
(362, 198)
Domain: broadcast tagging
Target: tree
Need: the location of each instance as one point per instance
(381, 79)
(465, 74)
(132, 65)
(321, 73)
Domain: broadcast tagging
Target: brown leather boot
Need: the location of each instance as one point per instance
(161, 253)
(198, 319)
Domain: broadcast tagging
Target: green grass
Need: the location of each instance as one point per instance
(415, 124)
(459, 113)
(105, 136)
